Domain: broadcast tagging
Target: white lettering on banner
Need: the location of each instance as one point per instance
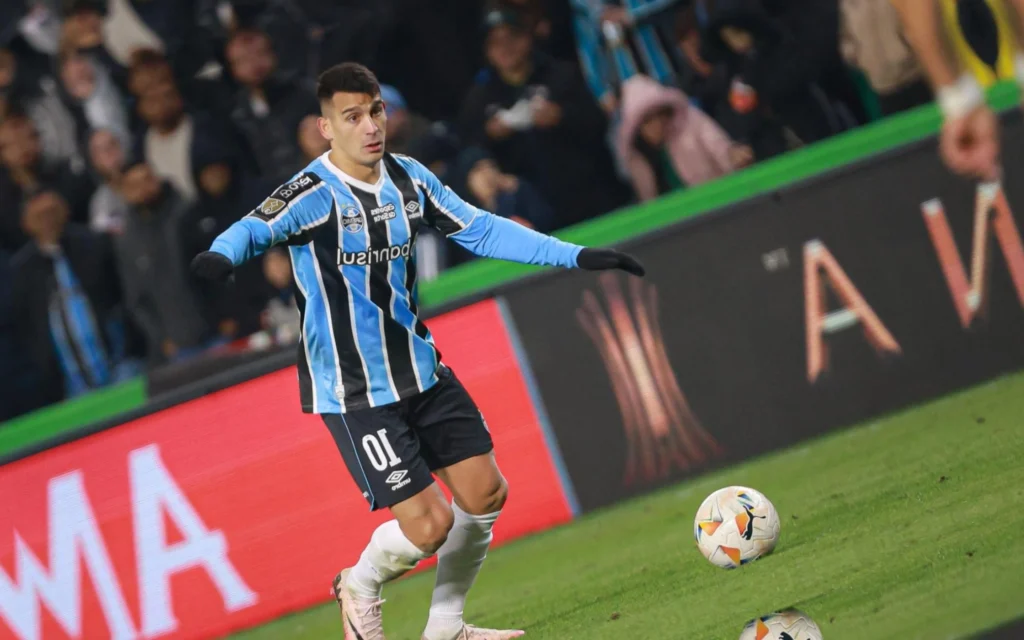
(154, 492)
(74, 533)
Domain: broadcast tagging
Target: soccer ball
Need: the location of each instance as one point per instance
(736, 525)
(786, 625)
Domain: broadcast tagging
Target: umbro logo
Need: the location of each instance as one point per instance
(413, 209)
(398, 479)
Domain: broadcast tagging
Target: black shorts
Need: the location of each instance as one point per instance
(392, 450)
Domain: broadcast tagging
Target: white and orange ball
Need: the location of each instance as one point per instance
(790, 624)
(736, 525)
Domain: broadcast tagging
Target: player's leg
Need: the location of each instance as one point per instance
(457, 446)
(383, 456)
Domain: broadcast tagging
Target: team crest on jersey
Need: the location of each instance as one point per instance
(351, 219)
(271, 206)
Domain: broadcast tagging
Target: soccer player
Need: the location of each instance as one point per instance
(368, 364)
(969, 141)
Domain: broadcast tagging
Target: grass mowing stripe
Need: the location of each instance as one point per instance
(907, 527)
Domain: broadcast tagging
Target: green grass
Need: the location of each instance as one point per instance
(909, 527)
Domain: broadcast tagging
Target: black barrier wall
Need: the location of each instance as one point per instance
(782, 319)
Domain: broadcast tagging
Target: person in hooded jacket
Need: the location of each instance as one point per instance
(666, 143)
(784, 56)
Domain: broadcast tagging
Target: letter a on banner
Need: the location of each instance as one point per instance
(154, 491)
(74, 537)
(856, 310)
(970, 296)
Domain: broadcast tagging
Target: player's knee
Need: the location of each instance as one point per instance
(429, 531)
(491, 499)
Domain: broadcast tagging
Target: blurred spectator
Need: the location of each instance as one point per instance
(171, 134)
(226, 194)
(536, 117)
(269, 108)
(437, 150)
(24, 174)
(785, 57)
(185, 43)
(873, 41)
(281, 315)
(149, 69)
(666, 143)
(83, 31)
(608, 32)
(153, 266)
(68, 302)
(404, 126)
(484, 185)
(91, 89)
(313, 144)
(107, 209)
(19, 385)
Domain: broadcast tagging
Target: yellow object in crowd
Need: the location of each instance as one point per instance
(986, 75)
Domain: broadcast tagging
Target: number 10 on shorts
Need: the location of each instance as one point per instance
(378, 450)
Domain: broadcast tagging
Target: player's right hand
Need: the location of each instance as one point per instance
(211, 265)
(970, 145)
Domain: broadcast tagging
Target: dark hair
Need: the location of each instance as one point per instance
(347, 77)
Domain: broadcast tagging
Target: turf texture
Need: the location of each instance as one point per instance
(908, 527)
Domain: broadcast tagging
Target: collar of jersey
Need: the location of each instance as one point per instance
(344, 177)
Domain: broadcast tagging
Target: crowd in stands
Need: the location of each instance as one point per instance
(132, 132)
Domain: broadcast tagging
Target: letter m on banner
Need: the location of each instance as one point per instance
(991, 211)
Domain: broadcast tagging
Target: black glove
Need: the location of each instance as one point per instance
(211, 265)
(602, 259)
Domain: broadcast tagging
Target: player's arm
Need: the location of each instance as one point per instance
(491, 236)
(292, 210)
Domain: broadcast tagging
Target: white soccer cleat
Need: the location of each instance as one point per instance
(469, 632)
(361, 617)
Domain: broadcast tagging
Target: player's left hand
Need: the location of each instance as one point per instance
(604, 259)
(211, 265)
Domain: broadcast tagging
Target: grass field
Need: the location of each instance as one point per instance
(909, 527)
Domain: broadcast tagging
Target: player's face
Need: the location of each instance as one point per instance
(355, 124)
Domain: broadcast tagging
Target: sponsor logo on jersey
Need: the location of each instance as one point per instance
(375, 256)
(285, 195)
(413, 209)
(351, 219)
(386, 212)
(296, 187)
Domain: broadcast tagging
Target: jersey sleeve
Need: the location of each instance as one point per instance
(287, 215)
(484, 233)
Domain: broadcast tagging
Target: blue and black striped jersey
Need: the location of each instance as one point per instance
(352, 247)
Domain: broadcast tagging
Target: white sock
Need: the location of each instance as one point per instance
(388, 555)
(458, 561)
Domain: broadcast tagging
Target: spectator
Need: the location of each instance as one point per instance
(281, 315)
(68, 302)
(437, 150)
(170, 136)
(785, 57)
(107, 209)
(484, 185)
(873, 41)
(536, 117)
(24, 174)
(226, 194)
(404, 126)
(153, 268)
(607, 34)
(19, 385)
(91, 89)
(666, 143)
(708, 86)
(149, 69)
(311, 142)
(268, 108)
(82, 31)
